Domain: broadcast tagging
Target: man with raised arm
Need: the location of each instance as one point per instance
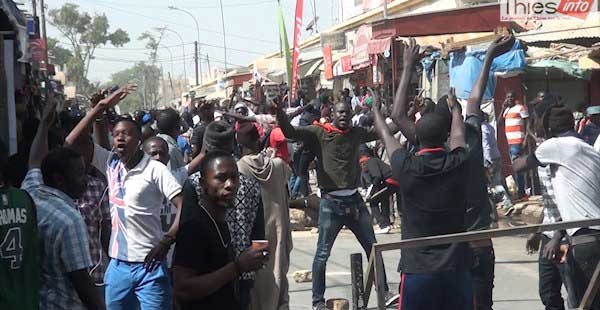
(453, 206)
(54, 179)
(336, 146)
(137, 274)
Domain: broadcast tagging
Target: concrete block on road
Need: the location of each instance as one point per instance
(338, 304)
(302, 276)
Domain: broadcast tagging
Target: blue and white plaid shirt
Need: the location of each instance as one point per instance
(551, 213)
(64, 241)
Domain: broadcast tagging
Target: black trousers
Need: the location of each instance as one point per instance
(380, 208)
(482, 275)
(582, 263)
(552, 276)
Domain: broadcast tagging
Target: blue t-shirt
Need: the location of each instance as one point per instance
(184, 145)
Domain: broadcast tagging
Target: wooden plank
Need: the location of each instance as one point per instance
(370, 276)
(592, 290)
(379, 280)
(481, 235)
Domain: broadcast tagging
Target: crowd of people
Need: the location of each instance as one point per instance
(162, 210)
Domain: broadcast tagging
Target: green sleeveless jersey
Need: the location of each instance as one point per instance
(19, 259)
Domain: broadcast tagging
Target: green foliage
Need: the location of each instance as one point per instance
(60, 55)
(152, 43)
(147, 77)
(85, 33)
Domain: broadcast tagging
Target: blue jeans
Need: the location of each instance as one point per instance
(515, 150)
(330, 224)
(131, 286)
(450, 290)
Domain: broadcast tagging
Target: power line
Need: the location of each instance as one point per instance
(173, 46)
(179, 60)
(231, 5)
(182, 25)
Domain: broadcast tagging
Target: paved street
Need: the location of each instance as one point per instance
(516, 272)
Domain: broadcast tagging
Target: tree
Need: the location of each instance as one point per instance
(60, 55)
(152, 43)
(147, 77)
(152, 74)
(85, 33)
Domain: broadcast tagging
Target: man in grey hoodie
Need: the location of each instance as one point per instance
(271, 286)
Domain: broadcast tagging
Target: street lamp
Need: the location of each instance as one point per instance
(182, 48)
(224, 37)
(197, 33)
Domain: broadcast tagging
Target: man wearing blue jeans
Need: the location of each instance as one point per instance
(336, 146)
(137, 274)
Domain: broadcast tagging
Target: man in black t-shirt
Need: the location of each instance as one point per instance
(479, 207)
(204, 267)
(432, 185)
(452, 203)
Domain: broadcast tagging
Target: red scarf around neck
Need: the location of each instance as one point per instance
(330, 128)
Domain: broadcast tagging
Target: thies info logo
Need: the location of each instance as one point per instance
(521, 10)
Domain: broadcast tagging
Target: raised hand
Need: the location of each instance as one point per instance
(500, 46)
(117, 96)
(452, 101)
(49, 110)
(411, 52)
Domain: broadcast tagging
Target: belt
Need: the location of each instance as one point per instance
(480, 243)
(589, 238)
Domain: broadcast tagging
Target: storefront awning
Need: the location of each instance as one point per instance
(568, 67)
(565, 30)
(443, 39)
(481, 18)
(379, 46)
(309, 68)
(270, 68)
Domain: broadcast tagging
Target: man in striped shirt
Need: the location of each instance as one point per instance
(514, 116)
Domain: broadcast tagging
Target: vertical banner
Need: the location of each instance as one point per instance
(328, 62)
(297, 37)
(285, 45)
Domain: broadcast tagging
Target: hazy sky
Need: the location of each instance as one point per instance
(251, 27)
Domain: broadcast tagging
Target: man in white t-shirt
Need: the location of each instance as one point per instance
(575, 176)
(137, 274)
(158, 149)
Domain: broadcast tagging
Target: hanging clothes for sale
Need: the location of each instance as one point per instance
(465, 68)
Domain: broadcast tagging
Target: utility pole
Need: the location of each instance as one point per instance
(208, 63)
(196, 56)
(43, 11)
(315, 15)
(34, 8)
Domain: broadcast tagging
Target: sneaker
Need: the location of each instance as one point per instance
(391, 299)
(385, 230)
(320, 306)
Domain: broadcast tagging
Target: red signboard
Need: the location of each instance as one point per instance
(346, 63)
(38, 50)
(297, 37)
(360, 54)
(328, 62)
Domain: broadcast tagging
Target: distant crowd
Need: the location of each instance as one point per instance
(169, 210)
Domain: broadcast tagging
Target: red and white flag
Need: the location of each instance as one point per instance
(297, 37)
